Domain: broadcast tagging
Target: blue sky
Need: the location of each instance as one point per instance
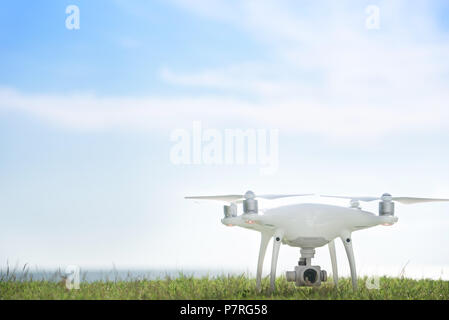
(86, 117)
(120, 45)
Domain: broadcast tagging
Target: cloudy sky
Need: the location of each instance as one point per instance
(87, 116)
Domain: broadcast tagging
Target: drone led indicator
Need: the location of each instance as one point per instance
(249, 221)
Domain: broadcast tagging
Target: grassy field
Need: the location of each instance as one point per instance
(224, 287)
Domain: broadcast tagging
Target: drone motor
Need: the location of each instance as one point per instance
(230, 211)
(250, 205)
(386, 206)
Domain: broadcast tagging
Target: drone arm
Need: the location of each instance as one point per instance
(264, 240)
(347, 242)
(274, 259)
(333, 261)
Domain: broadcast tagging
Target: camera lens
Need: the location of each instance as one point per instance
(310, 275)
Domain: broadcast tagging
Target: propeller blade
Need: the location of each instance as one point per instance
(403, 200)
(279, 196)
(239, 198)
(365, 199)
(411, 200)
(226, 198)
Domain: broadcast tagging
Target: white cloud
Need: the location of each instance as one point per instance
(330, 121)
(329, 76)
(406, 58)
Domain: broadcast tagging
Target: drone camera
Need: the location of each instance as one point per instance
(307, 276)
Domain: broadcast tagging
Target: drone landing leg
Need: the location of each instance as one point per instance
(333, 262)
(264, 240)
(347, 241)
(274, 259)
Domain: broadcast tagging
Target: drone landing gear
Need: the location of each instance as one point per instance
(347, 242)
(264, 240)
(333, 262)
(274, 259)
(305, 274)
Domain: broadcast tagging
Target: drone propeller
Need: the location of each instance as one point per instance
(226, 198)
(412, 200)
(388, 197)
(246, 196)
(365, 199)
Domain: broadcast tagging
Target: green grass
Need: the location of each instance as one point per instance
(223, 287)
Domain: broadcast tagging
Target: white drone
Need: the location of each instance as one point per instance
(308, 226)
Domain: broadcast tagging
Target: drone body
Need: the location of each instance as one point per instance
(310, 225)
(307, 226)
